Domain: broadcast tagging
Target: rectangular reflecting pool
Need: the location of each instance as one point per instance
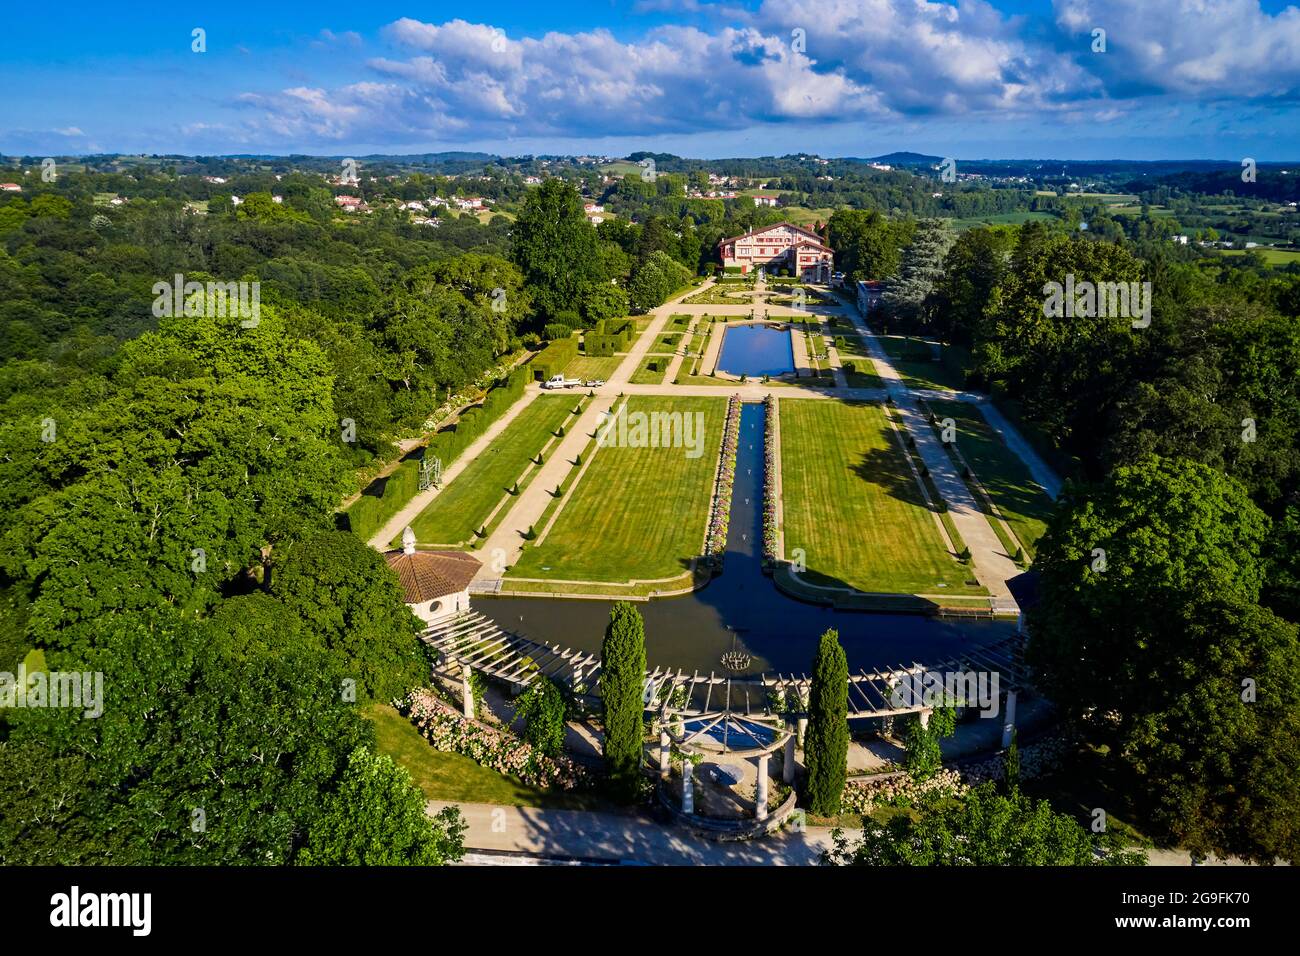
(758, 349)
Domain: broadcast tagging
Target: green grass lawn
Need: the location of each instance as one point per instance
(644, 375)
(852, 503)
(447, 776)
(462, 506)
(637, 512)
(854, 351)
(587, 367)
(1022, 502)
(905, 354)
(1085, 780)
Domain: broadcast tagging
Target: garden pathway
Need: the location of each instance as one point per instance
(383, 538)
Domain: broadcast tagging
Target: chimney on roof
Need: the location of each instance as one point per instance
(408, 541)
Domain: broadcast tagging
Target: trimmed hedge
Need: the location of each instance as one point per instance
(553, 359)
(609, 336)
(369, 513)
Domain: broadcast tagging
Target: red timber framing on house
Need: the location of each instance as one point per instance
(782, 246)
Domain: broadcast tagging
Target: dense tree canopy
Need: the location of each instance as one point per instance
(982, 828)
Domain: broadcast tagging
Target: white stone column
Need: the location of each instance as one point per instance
(688, 785)
(1009, 723)
(787, 764)
(802, 729)
(467, 690)
(665, 753)
(925, 718)
(760, 808)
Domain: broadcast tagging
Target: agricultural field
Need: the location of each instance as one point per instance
(636, 513)
(463, 506)
(1001, 219)
(1274, 257)
(852, 504)
(1004, 476)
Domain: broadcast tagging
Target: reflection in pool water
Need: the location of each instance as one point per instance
(757, 349)
(692, 632)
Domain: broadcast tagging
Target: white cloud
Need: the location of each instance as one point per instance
(872, 60)
(1228, 48)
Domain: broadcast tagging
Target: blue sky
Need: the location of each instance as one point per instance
(969, 78)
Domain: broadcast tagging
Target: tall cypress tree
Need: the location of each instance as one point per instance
(826, 744)
(622, 682)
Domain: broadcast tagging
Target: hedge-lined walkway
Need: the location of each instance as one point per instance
(411, 510)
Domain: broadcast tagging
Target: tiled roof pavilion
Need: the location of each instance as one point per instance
(428, 575)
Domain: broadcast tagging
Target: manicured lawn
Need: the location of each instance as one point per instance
(1024, 504)
(587, 367)
(852, 503)
(447, 776)
(637, 512)
(644, 375)
(854, 351)
(1085, 780)
(908, 356)
(464, 505)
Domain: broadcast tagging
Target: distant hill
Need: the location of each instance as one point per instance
(905, 159)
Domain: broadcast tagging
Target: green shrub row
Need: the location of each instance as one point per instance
(609, 336)
(369, 513)
(553, 359)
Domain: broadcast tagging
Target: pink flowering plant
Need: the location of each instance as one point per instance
(770, 535)
(500, 750)
(715, 541)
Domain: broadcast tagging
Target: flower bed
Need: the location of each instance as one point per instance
(467, 396)
(715, 540)
(864, 796)
(1039, 758)
(771, 538)
(498, 750)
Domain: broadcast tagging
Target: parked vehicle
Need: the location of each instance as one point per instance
(559, 381)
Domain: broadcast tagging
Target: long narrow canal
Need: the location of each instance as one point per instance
(743, 609)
